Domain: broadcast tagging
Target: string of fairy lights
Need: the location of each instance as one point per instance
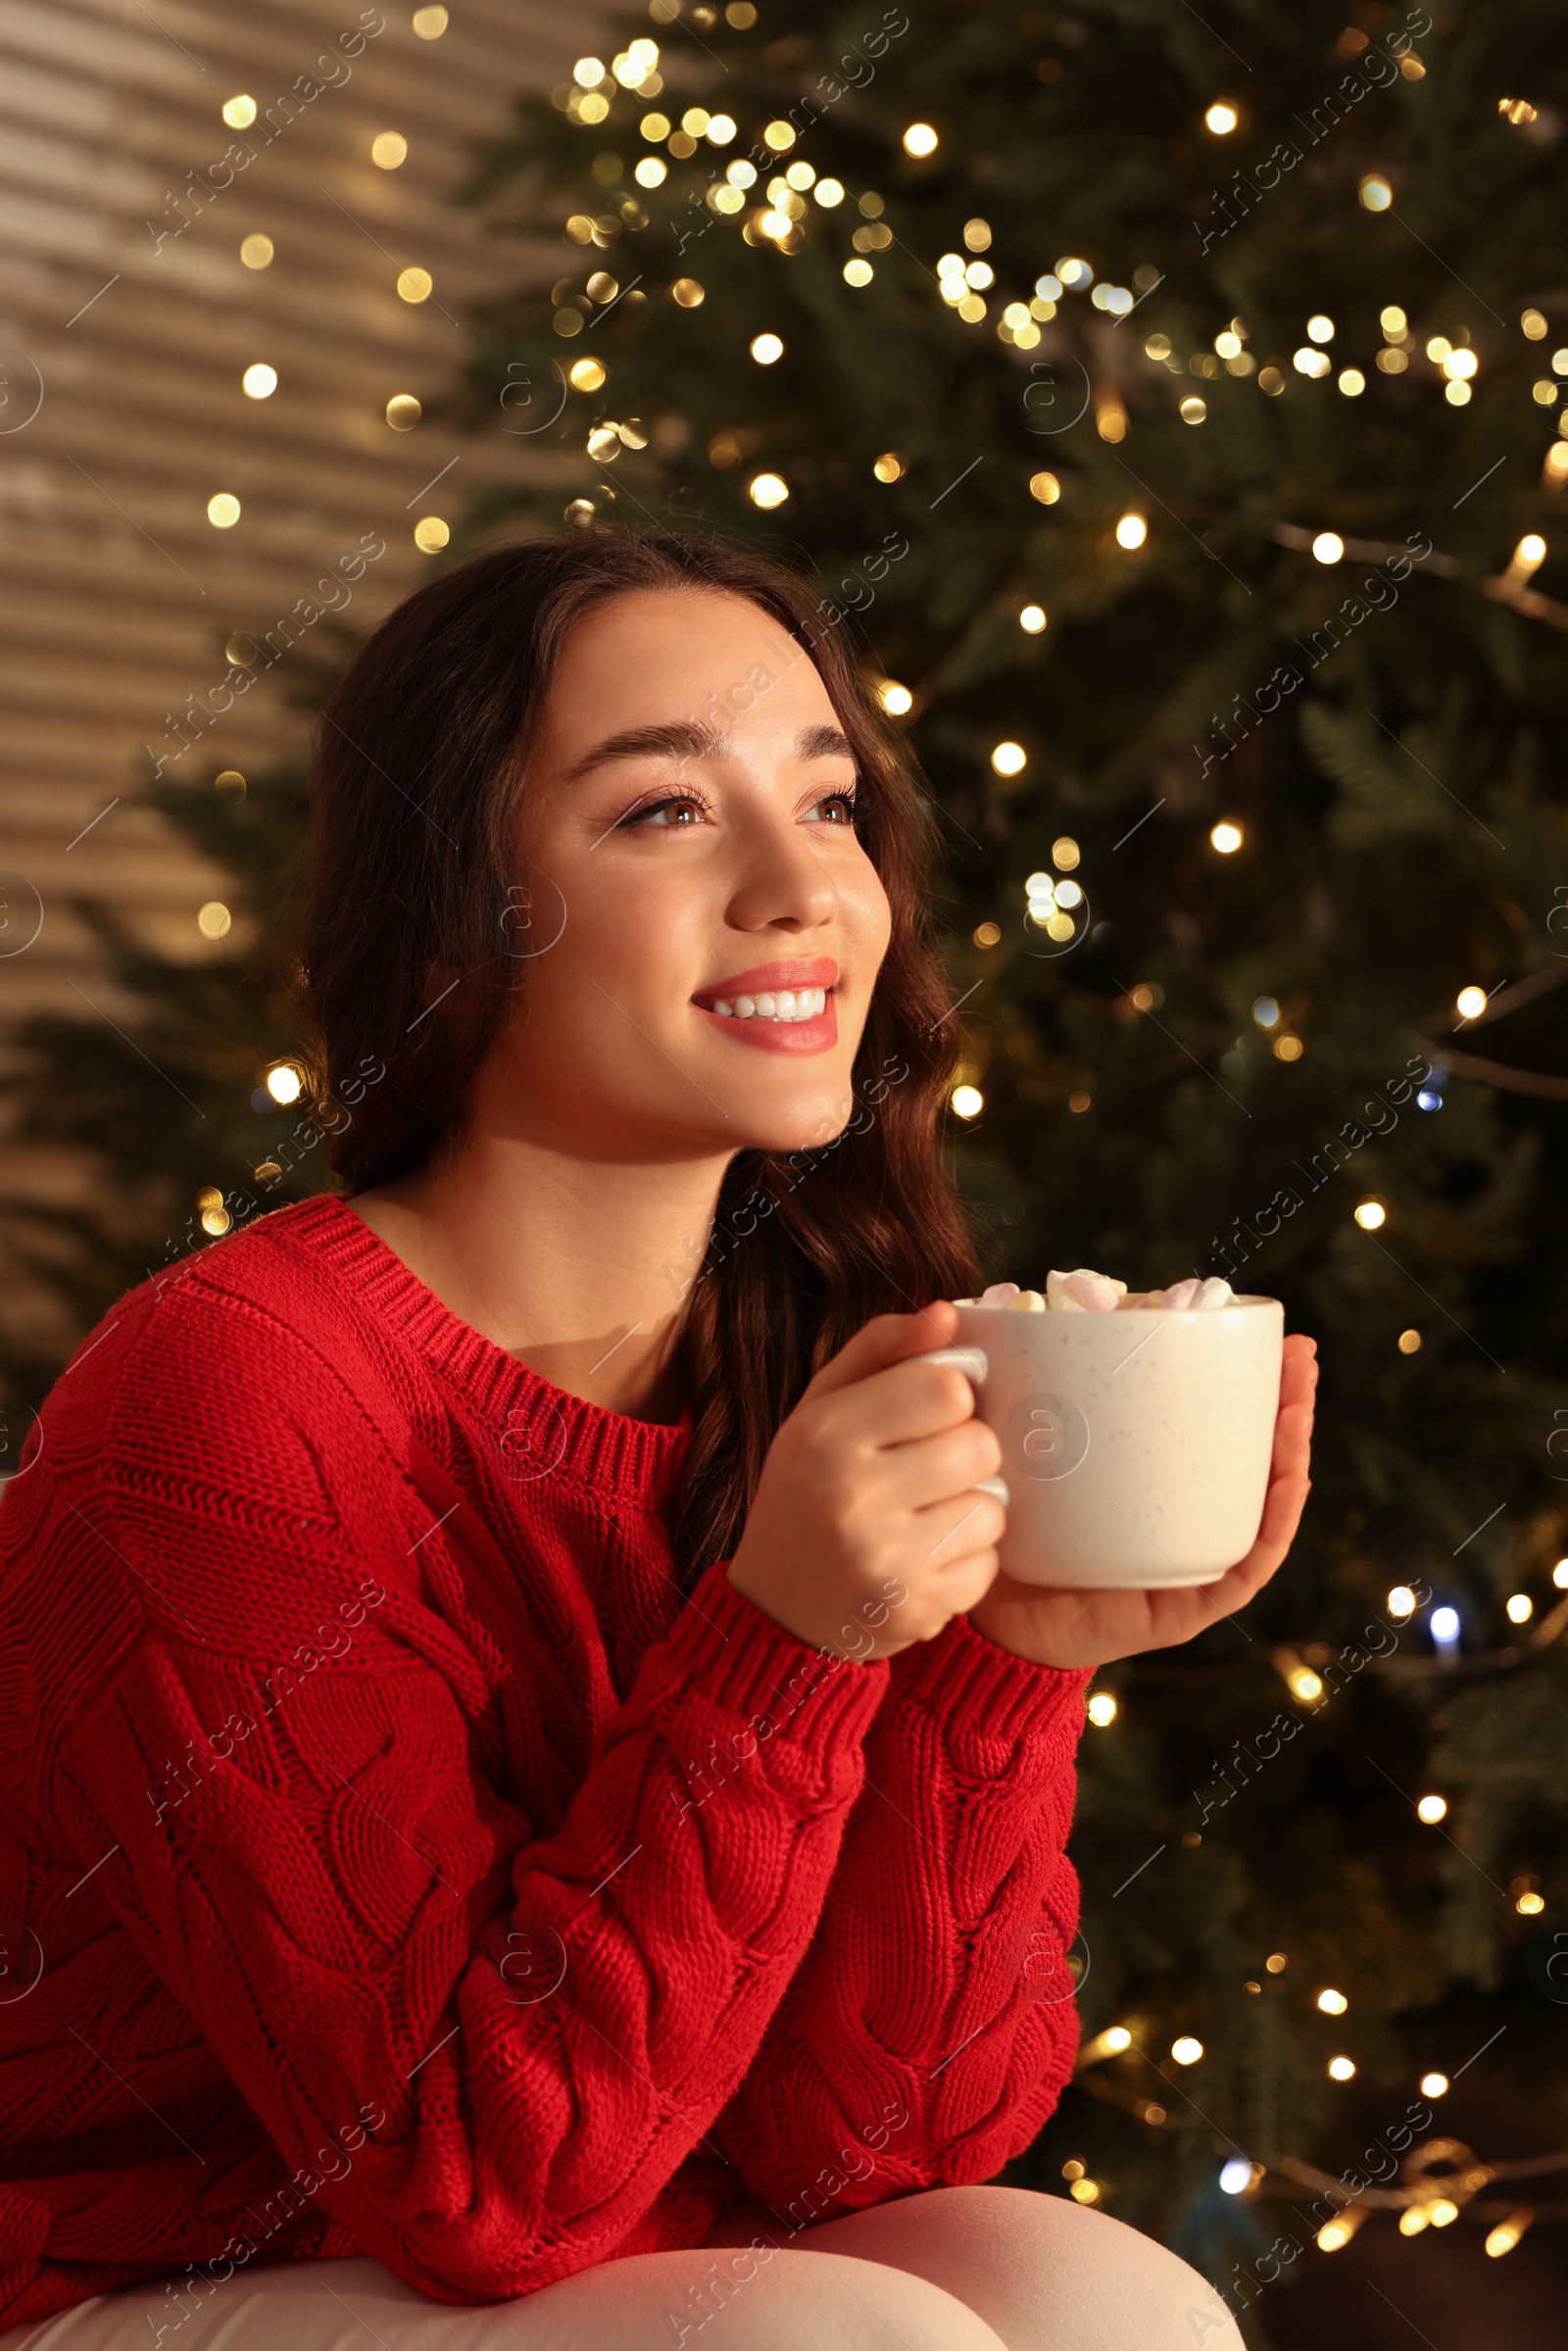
(774, 198)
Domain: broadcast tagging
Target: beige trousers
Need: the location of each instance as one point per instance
(953, 2268)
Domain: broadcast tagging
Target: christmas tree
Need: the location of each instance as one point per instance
(1169, 404)
(196, 1119)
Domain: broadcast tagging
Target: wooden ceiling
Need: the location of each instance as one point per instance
(125, 303)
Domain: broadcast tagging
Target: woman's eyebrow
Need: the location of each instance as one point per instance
(824, 743)
(680, 739)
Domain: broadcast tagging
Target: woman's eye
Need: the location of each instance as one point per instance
(844, 807)
(678, 812)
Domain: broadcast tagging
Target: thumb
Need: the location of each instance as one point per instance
(887, 1339)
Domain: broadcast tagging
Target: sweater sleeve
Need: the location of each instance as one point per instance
(481, 2049)
(928, 2034)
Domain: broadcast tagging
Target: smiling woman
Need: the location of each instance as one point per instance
(546, 1954)
(578, 794)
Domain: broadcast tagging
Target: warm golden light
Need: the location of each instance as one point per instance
(766, 348)
(1101, 1709)
(1327, 546)
(259, 381)
(239, 112)
(1130, 531)
(285, 1083)
(1431, 1809)
(1506, 2234)
(967, 1101)
(431, 534)
(920, 139)
(1332, 2002)
(1370, 1215)
(1226, 837)
(1010, 758)
(767, 490)
(416, 286)
(1032, 619)
(1221, 119)
(223, 511)
(388, 149)
(256, 251)
(1341, 2068)
(1470, 1001)
(1185, 2049)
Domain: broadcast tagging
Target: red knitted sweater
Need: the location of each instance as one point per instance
(391, 1862)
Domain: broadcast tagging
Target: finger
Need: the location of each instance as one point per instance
(949, 1531)
(887, 1339)
(942, 1467)
(1282, 1515)
(1283, 1505)
(904, 1404)
(964, 1585)
(1293, 1439)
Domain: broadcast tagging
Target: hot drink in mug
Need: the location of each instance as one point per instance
(1136, 1431)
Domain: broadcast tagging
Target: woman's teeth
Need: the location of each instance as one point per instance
(788, 1003)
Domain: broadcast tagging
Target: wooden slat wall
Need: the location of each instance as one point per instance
(116, 595)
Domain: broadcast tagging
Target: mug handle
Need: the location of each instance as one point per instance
(975, 1364)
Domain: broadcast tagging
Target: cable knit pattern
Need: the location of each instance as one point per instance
(391, 1862)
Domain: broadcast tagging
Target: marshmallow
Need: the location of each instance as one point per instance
(1083, 1292)
(1201, 1296)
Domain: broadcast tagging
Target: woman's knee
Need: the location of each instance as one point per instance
(1044, 2273)
(1095, 2283)
(753, 2299)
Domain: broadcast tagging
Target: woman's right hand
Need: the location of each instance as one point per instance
(865, 1533)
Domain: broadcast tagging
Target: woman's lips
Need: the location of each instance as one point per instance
(813, 1036)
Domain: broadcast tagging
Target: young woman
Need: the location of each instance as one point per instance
(522, 1784)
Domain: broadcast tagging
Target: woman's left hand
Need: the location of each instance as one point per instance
(1060, 1628)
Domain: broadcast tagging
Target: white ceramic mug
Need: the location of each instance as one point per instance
(1135, 1445)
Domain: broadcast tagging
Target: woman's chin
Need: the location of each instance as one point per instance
(805, 1125)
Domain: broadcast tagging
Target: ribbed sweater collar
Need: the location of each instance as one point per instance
(565, 1434)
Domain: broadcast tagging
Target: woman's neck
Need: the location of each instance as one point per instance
(579, 1268)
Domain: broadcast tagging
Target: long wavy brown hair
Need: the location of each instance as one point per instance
(419, 774)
